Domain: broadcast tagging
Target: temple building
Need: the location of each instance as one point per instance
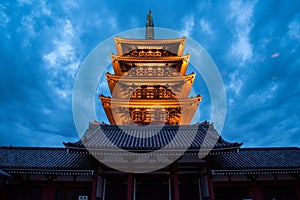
(150, 149)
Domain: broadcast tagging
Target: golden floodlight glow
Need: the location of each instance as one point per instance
(149, 84)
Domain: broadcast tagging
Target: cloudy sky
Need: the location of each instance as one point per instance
(255, 45)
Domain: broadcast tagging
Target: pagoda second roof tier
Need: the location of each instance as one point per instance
(143, 111)
(150, 87)
(125, 45)
(124, 66)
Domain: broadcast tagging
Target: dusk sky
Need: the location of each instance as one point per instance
(254, 44)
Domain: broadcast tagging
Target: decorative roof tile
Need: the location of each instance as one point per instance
(42, 159)
(192, 137)
(254, 159)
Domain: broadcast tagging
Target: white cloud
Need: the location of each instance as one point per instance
(262, 95)
(68, 29)
(44, 9)
(241, 14)
(28, 23)
(205, 26)
(28, 2)
(69, 4)
(4, 19)
(112, 22)
(62, 60)
(188, 25)
(294, 30)
(235, 83)
(204, 5)
(63, 56)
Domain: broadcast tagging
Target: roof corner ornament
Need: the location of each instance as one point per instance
(149, 27)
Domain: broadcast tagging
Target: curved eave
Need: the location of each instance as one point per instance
(146, 103)
(158, 44)
(96, 144)
(35, 171)
(180, 85)
(170, 80)
(253, 171)
(155, 41)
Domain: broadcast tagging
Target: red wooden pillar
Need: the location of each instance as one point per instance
(175, 182)
(129, 186)
(95, 185)
(210, 186)
(256, 193)
(48, 192)
(298, 191)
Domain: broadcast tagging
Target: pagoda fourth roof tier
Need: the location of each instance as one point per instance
(150, 87)
(125, 45)
(123, 65)
(142, 112)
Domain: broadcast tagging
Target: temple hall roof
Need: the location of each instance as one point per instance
(4, 174)
(38, 160)
(153, 138)
(53, 161)
(260, 160)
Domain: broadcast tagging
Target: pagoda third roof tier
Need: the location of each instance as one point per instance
(141, 111)
(125, 45)
(150, 87)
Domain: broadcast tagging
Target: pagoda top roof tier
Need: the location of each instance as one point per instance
(125, 45)
(184, 58)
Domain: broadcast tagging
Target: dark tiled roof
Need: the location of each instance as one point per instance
(204, 136)
(258, 159)
(4, 173)
(43, 160)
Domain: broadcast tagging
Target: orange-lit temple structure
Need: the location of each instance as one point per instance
(150, 85)
(150, 105)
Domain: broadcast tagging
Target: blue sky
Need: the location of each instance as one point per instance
(255, 45)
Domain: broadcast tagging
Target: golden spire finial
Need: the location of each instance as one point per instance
(149, 26)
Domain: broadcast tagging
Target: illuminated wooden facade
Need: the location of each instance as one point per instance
(149, 84)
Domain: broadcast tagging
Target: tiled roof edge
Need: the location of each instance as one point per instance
(32, 148)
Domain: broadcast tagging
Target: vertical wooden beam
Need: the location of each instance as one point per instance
(256, 193)
(48, 192)
(175, 182)
(298, 190)
(95, 184)
(129, 186)
(210, 186)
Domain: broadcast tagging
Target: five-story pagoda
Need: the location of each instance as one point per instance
(149, 84)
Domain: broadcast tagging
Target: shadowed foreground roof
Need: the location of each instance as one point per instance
(4, 174)
(28, 160)
(261, 160)
(44, 161)
(193, 137)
